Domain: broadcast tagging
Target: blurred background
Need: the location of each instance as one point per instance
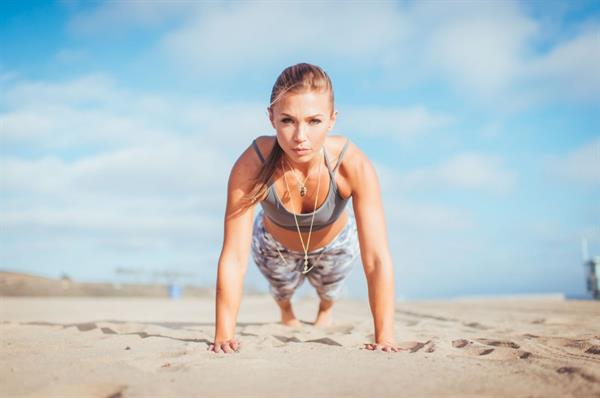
(120, 122)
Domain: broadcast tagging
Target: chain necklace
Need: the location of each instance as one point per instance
(302, 185)
(305, 248)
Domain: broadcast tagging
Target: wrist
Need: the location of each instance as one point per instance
(385, 337)
(222, 335)
(386, 341)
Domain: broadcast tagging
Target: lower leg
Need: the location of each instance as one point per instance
(287, 313)
(324, 317)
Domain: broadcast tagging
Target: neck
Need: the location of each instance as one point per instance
(306, 166)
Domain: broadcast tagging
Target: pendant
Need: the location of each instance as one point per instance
(302, 190)
(306, 269)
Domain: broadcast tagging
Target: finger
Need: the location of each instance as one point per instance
(222, 346)
(217, 348)
(386, 348)
(235, 345)
(210, 347)
(227, 348)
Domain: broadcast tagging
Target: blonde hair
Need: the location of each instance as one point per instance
(297, 78)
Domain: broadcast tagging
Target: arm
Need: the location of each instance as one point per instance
(234, 254)
(375, 254)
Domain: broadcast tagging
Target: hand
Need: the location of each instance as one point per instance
(227, 346)
(384, 346)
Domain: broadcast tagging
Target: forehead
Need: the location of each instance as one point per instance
(308, 102)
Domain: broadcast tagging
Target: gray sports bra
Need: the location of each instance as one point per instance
(326, 214)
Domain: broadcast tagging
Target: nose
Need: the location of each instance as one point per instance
(300, 133)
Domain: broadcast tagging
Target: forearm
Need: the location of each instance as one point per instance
(230, 279)
(380, 279)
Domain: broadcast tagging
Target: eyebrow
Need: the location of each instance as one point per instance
(318, 114)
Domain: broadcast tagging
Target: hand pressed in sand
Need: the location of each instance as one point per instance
(226, 346)
(387, 347)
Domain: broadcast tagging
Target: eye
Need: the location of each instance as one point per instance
(286, 120)
(315, 121)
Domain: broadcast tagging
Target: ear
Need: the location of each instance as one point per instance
(270, 112)
(332, 120)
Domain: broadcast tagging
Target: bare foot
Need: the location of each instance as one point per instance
(291, 322)
(324, 318)
(287, 314)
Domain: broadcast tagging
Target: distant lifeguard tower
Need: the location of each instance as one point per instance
(592, 268)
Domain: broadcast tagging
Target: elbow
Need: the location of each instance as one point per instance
(369, 267)
(377, 265)
(230, 271)
(372, 267)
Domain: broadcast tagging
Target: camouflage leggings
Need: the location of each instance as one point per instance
(332, 263)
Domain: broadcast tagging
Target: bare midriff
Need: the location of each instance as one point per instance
(318, 239)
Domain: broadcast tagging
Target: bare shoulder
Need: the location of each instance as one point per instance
(355, 165)
(248, 164)
(265, 145)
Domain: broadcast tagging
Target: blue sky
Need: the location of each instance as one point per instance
(120, 121)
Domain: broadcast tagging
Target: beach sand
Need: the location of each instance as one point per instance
(150, 347)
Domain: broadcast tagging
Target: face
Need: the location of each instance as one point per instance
(302, 120)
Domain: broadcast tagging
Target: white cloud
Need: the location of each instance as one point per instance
(90, 89)
(581, 165)
(174, 188)
(479, 49)
(570, 68)
(113, 165)
(426, 217)
(225, 38)
(401, 123)
(467, 171)
(91, 111)
(115, 17)
(488, 52)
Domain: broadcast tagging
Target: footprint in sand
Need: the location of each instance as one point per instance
(476, 325)
(470, 348)
(415, 346)
(594, 349)
(567, 348)
(281, 341)
(341, 329)
(499, 343)
(285, 339)
(503, 349)
(573, 371)
(324, 340)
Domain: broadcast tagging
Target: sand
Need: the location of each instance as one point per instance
(145, 347)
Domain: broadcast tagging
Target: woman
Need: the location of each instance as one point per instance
(303, 179)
